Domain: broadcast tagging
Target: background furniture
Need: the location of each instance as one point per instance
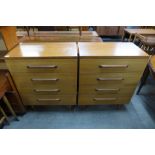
(28, 29)
(109, 72)
(61, 39)
(110, 30)
(45, 73)
(9, 90)
(8, 38)
(132, 32)
(146, 42)
(60, 36)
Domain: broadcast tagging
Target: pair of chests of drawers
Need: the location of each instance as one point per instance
(108, 80)
(45, 81)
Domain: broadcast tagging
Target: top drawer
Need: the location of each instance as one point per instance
(112, 65)
(43, 65)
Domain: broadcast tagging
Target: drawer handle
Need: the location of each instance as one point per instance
(100, 89)
(110, 79)
(56, 99)
(38, 79)
(42, 67)
(48, 90)
(113, 66)
(104, 99)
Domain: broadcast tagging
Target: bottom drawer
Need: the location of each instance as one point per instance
(99, 100)
(49, 99)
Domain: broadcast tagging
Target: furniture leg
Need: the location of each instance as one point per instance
(130, 38)
(134, 38)
(143, 78)
(123, 36)
(10, 107)
(4, 114)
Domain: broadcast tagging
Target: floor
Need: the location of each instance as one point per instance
(140, 113)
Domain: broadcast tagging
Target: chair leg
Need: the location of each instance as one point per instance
(143, 78)
(10, 107)
(4, 114)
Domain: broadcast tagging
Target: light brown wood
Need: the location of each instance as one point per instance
(152, 63)
(9, 36)
(89, 66)
(110, 49)
(89, 100)
(63, 38)
(107, 89)
(48, 99)
(134, 32)
(47, 72)
(110, 79)
(109, 72)
(30, 65)
(57, 33)
(140, 31)
(45, 50)
(44, 81)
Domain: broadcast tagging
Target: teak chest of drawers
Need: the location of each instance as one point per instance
(45, 73)
(109, 72)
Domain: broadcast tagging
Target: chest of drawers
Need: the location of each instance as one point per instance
(109, 72)
(45, 73)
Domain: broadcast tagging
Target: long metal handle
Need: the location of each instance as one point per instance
(110, 79)
(56, 99)
(39, 79)
(113, 66)
(42, 66)
(47, 90)
(104, 99)
(103, 89)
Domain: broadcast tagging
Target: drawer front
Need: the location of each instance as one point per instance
(110, 79)
(48, 99)
(101, 90)
(98, 100)
(43, 65)
(112, 65)
(49, 89)
(36, 80)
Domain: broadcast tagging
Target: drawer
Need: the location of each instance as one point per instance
(110, 79)
(112, 65)
(49, 89)
(36, 80)
(49, 99)
(43, 65)
(100, 90)
(98, 100)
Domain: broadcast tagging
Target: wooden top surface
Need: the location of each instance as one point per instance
(140, 31)
(110, 49)
(33, 50)
(57, 33)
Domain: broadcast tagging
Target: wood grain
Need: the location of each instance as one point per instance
(110, 49)
(9, 36)
(45, 50)
(63, 65)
